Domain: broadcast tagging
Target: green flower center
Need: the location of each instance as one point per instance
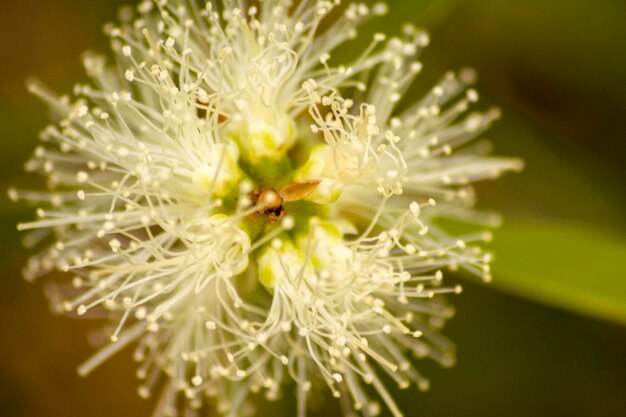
(279, 179)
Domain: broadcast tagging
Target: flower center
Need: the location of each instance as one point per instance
(285, 201)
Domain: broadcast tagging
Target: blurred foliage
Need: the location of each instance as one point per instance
(557, 69)
(564, 265)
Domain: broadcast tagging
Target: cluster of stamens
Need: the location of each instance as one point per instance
(251, 212)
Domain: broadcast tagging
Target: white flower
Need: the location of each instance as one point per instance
(252, 213)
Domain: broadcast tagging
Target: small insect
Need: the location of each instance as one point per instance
(272, 200)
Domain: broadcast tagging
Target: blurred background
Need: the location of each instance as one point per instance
(546, 338)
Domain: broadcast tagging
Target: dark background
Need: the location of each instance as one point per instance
(558, 70)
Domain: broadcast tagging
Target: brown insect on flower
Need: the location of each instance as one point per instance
(272, 201)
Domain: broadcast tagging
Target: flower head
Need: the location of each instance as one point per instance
(252, 210)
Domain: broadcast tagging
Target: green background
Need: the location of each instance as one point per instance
(546, 338)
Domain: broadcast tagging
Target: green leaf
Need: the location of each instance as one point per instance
(563, 265)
